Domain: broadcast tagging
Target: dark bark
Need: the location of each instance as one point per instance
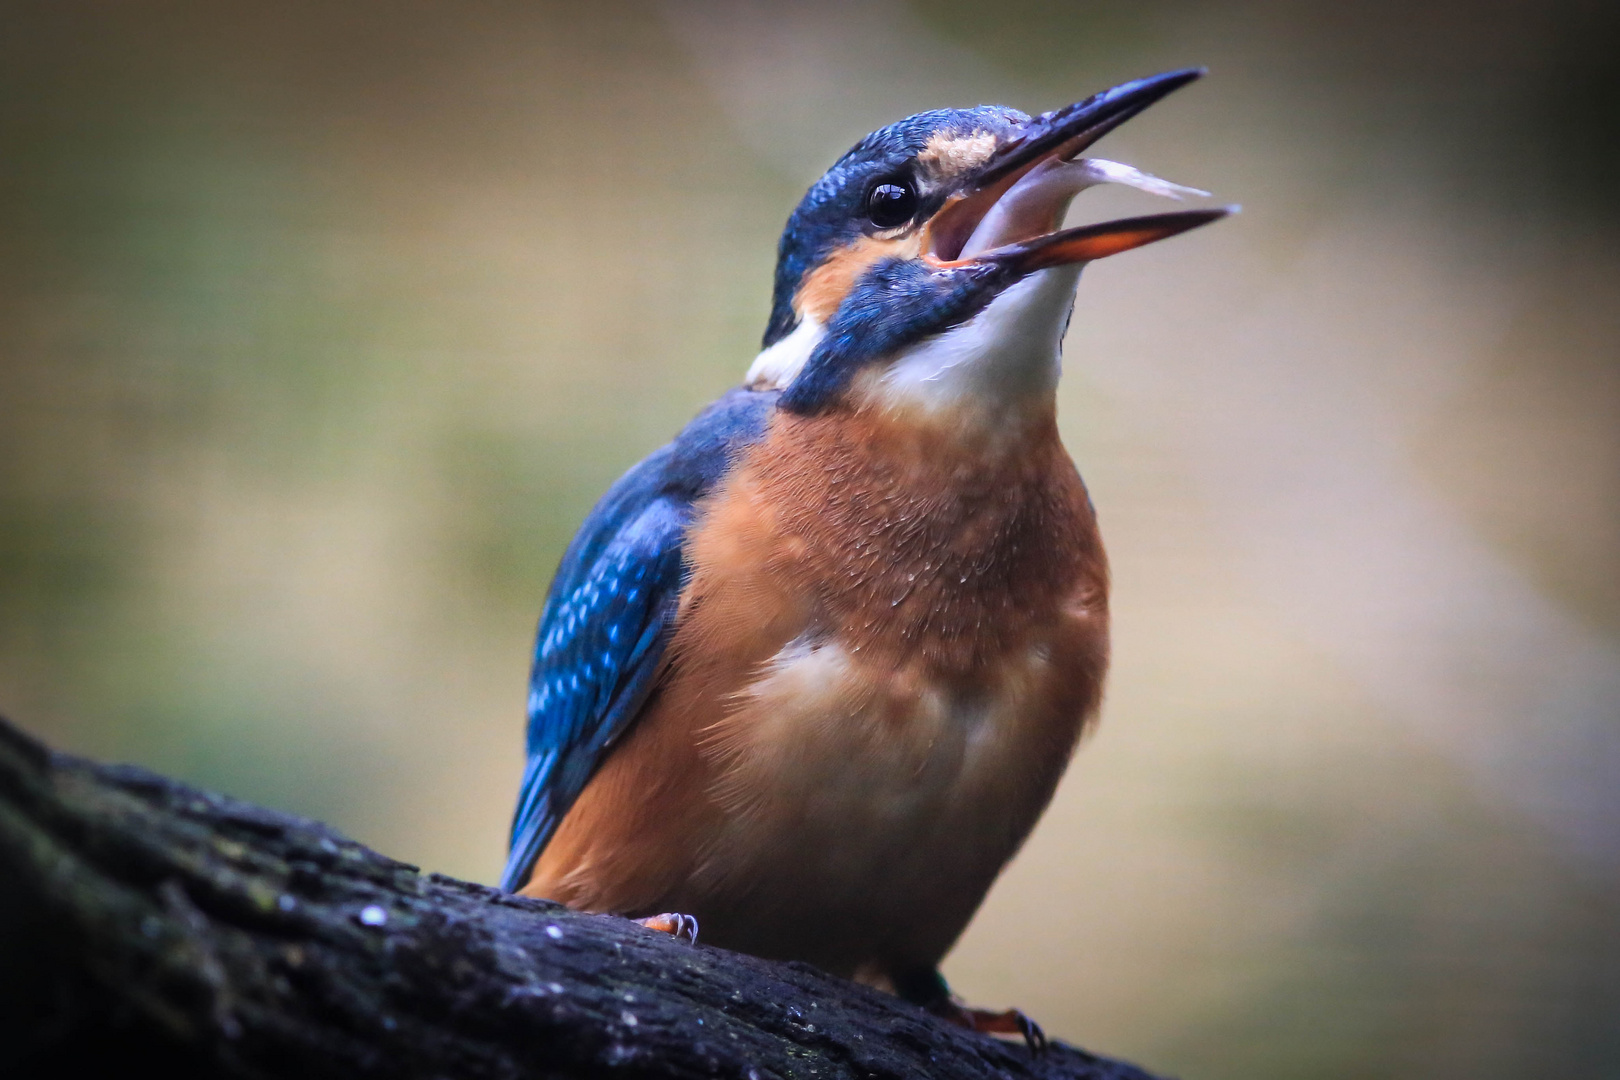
(145, 922)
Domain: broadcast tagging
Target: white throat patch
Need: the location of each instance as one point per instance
(778, 365)
(1006, 355)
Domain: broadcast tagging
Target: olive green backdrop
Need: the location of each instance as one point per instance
(321, 326)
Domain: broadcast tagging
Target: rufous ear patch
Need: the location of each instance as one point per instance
(825, 287)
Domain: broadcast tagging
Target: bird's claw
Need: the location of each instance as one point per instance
(1009, 1022)
(676, 925)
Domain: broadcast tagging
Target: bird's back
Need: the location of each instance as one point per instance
(609, 615)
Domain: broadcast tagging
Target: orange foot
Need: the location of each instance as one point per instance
(680, 927)
(1011, 1022)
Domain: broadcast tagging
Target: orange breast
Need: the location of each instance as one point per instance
(889, 644)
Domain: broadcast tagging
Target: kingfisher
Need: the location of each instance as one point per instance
(808, 675)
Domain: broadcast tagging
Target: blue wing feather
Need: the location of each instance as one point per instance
(609, 615)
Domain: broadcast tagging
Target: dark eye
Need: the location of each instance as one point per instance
(891, 204)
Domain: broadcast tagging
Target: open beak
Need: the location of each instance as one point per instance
(1011, 214)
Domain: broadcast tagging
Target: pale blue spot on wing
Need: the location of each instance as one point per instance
(608, 616)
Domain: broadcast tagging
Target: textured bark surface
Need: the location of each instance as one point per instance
(144, 923)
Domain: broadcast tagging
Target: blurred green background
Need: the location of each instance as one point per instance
(322, 325)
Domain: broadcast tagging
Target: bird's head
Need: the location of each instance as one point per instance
(927, 269)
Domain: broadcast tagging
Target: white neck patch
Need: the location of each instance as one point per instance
(997, 361)
(779, 364)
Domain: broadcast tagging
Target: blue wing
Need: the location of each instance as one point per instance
(609, 615)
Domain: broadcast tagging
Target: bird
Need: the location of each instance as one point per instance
(808, 675)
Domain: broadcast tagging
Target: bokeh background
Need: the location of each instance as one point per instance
(322, 325)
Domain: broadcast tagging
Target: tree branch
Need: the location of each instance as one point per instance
(144, 922)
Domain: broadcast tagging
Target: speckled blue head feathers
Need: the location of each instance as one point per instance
(831, 213)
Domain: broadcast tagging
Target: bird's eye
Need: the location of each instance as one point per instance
(891, 204)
